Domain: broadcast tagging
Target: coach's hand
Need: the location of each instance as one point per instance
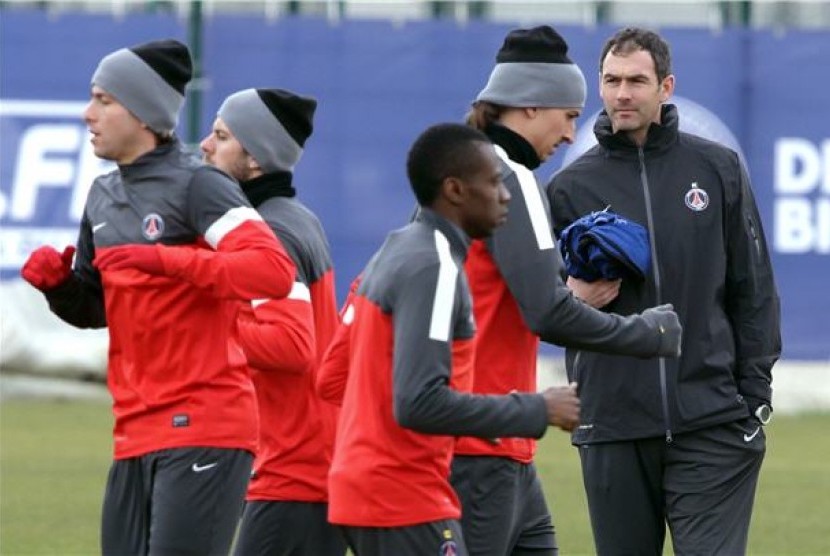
(562, 405)
(46, 269)
(665, 321)
(144, 258)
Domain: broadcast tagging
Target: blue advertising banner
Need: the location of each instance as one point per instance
(378, 85)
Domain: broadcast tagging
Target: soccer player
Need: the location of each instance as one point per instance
(677, 442)
(167, 248)
(403, 365)
(258, 138)
(528, 108)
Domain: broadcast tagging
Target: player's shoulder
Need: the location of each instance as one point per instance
(706, 147)
(704, 152)
(414, 249)
(109, 180)
(591, 161)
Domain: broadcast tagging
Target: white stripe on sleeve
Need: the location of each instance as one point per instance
(442, 304)
(228, 222)
(348, 314)
(299, 291)
(533, 201)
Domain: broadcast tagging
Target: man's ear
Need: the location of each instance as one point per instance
(454, 190)
(666, 88)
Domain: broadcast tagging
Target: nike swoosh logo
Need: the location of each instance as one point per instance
(199, 468)
(749, 437)
(97, 227)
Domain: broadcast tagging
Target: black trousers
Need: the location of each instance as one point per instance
(182, 501)
(441, 538)
(503, 508)
(277, 528)
(702, 485)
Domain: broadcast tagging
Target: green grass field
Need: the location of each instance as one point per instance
(54, 458)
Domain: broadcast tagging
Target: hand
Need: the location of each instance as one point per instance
(665, 320)
(596, 294)
(46, 269)
(144, 258)
(562, 404)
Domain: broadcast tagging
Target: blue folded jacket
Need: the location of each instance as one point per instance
(605, 245)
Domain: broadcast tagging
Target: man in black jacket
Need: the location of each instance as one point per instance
(662, 440)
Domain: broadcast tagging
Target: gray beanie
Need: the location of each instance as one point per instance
(271, 124)
(149, 80)
(533, 71)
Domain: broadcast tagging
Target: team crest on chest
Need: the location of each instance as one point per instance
(696, 198)
(152, 227)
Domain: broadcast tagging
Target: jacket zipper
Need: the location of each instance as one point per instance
(754, 235)
(658, 289)
(576, 367)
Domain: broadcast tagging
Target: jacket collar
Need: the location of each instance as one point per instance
(660, 136)
(266, 186)
(458, 239)
(517, 147)
(151, 157)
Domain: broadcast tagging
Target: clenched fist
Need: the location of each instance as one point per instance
(562, 404)
(46, 269)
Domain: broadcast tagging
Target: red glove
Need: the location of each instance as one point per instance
(144, 258)
(46, 269)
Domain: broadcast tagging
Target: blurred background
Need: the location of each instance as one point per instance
(751, 74)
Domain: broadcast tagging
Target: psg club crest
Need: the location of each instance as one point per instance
(696, 198)
(152, 226)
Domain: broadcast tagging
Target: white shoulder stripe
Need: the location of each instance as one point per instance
(533, 201)
(348, 315)
(442, 304)
(299, 291)
(228, 222)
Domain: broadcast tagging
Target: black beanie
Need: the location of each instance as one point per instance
(271, 124)
(295, 112)
(533, 70)
(170, 59)
(539, 44)
(149, 79)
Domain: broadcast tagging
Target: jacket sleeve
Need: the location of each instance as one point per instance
(277, 335)
(422, 366)
(80, 300)
(530, 264)
(246, 261)
(333, 371)
(752, 302)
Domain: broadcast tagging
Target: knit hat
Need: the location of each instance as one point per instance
(271, 124)
(149, 80)
(533, 71)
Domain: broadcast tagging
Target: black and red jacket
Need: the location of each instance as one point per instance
(284, 340)
(176, 371)
(519, 297)
(402, 366)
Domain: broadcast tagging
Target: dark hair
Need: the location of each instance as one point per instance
(440, 152)
(483, 113)
(627, 40)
